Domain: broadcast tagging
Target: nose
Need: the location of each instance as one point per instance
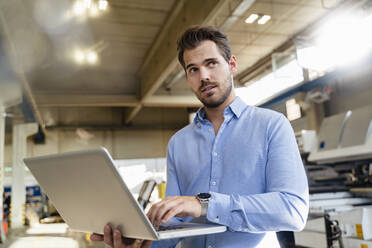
(204, 74)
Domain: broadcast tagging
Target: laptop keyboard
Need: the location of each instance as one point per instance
(171, 227)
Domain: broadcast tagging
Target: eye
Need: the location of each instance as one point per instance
(193, 69)
(212, 63)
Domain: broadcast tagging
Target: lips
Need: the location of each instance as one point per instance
(208, 89)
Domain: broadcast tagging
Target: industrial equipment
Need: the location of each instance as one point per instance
(339, 170)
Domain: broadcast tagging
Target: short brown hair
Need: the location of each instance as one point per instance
(192, 37)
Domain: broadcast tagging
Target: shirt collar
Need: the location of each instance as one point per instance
(236, 107)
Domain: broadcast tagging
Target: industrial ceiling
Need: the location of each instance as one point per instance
(120, 64)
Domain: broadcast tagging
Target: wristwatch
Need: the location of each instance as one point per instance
(204, 200)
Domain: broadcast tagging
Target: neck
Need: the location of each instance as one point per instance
(215, 115)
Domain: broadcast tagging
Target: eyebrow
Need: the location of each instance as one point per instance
(206, 60)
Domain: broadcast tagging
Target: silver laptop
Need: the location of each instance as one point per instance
(88, 192)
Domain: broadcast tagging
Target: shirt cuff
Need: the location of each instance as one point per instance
(219, 208)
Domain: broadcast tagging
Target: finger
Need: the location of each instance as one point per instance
(176, 211)
(137, 243)
(107, 238)
(118, 242)
(96, 237)
(153, 212)
(168, 207)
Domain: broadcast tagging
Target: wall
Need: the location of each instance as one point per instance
(122, 144)
(76, 128)
(351, 92)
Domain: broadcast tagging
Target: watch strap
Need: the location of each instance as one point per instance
(204, 208)
(204, 200)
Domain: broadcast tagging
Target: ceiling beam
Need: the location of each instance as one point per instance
(162, 58)
(172, 101)
(10, 26)
(63, 100)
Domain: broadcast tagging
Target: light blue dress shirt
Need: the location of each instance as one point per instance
(252, 168)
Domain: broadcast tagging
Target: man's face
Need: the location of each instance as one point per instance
(208, 74)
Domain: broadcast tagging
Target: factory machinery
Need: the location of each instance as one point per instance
(338, 163)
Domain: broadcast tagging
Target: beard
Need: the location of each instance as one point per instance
(214, 103)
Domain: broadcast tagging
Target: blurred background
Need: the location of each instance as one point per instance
(82, 74)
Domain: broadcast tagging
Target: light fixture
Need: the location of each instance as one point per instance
(342, 41)
(251, 19)
(78, 8)
(79, 57)
(89, 7)
(86, 57)
(102, 4)
(87, 4)
(91, 57)
(93, 11)
(264, 19)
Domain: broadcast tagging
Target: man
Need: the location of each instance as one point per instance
(245, 159)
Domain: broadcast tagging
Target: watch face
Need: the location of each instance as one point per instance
(204, 195)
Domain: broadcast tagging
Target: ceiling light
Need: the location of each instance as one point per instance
(87, 4)
(342, 41)
(102, 5)
(264, 19)
(93, 10)
(78, 8)
(251, 18)
(92, 57)
(79, 57)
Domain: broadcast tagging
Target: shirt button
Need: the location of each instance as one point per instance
(210, 130)
(245, 229)
(215, 154)
(217, 220)
(209, 246)
(214, 183)
(198, 124)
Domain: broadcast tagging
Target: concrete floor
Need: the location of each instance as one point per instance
(48, 236)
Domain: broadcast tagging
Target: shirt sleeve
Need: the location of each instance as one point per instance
(285, 203)
(172, 189)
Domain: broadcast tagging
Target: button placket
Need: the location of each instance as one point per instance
(216, 156)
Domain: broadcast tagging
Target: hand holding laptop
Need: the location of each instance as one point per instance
(160, 213)
(116, 240)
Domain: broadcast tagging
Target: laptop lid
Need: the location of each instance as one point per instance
(88, 192)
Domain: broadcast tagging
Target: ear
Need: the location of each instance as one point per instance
(233, 64)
